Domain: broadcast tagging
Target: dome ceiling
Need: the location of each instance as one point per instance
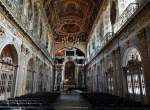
(67, 17)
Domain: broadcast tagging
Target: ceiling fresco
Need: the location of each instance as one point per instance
(71, 18)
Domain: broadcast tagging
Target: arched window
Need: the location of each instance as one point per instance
(8, 64)
(133, 71)
(113, 13)
(36, 24)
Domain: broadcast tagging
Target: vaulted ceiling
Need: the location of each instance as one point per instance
(71, 18)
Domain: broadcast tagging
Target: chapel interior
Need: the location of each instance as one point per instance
(74, 54)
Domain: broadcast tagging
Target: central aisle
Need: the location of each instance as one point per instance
(70, 102)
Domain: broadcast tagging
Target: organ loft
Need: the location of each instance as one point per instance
(74, 54)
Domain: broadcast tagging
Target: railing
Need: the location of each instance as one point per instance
(125, 16)
(106, 39)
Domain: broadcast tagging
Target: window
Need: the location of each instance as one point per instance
(69, 53)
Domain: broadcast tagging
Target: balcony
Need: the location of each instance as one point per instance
(125, 16)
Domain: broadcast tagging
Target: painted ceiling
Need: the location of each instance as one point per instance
(71, 18)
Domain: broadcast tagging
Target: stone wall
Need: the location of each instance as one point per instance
(114, 56)
(26, 49)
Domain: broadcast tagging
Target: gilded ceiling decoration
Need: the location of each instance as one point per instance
(71, 18)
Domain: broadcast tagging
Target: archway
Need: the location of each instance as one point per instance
(69, 79)
(8, 71)
(128, 55)
(133, 71)
(30, 76)
(113, 12)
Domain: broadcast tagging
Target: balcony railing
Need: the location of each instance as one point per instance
(125, 16)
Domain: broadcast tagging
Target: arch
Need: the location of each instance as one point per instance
(133, 72)
(36, 24)
(113, 12)
(79, 53)
(8, 71)
(128, 55)
(69, 78)
(80, 47)
(30, 76)
(10, 51)
(62, 50)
